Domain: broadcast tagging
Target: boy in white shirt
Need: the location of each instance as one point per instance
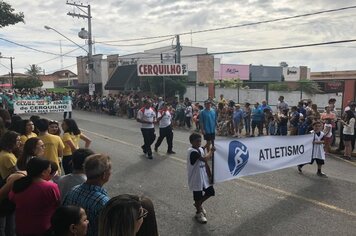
(198, 179)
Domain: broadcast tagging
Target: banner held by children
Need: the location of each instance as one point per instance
(42, 106)
(235, 158)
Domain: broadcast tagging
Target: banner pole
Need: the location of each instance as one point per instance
(212, 163)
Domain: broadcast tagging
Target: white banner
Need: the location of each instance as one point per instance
(249, 156)
(162, 70)
(41, 106)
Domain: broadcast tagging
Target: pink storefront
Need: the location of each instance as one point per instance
(233, 71)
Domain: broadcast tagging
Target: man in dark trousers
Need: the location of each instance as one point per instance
(147, 117)
(164, 117)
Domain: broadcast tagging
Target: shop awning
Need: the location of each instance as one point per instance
(124, 78)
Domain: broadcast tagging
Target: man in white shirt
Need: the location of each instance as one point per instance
(282, 105)
(164, 117)
(147, 117)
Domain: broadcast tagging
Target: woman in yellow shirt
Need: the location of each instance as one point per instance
(70, 138)
(26, 131)
(9, 142)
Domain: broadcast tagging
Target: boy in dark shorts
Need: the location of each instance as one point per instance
(198, 179)
(318, 153)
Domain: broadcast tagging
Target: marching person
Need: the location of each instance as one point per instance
(164, 117)
(318, 153)
(198, 175)
(147, 117)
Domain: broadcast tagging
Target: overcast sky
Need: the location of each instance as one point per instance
(128, 19)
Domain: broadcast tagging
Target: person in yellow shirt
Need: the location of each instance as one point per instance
(53, 143)
(26, 131)
(9, 142)
(71, 137)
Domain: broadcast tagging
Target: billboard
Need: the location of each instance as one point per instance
(291, 73)
(162, 70)
(266, 73)
(233, 71)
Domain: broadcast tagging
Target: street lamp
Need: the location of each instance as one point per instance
(84, 35)
(50, 28)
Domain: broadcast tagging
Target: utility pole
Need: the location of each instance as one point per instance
(178, 49)
(61, 53)
(87, 15)
(11, 69)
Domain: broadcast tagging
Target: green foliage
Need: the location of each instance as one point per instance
(58, 90)
(309, 86)
(278, 86)
(29, 82)
(34, 71)
(173, 85)
(232, 83)
(8, 17)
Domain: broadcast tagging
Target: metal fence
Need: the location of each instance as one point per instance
(319, 92)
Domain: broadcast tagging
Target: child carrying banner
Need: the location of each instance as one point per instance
(318, 153)
(198, 179)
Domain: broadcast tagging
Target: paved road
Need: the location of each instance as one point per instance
(277, 203)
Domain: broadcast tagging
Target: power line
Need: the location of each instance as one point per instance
(42, 62)
(4, 66)
(236, 26)
(276, 48)
(131, 45)
(31, 48)
(51, 71)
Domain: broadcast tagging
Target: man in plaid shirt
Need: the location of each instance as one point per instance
(91, 195)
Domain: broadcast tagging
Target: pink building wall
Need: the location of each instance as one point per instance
(233, 71)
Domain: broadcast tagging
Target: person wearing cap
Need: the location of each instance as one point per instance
(147, 117)
(207, 119)
(164, 117)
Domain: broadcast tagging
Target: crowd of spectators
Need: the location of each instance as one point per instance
(36, 198)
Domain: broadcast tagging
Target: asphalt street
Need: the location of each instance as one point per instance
(282, 202)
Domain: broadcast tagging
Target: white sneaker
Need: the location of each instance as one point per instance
(202, 209)
(201, 218)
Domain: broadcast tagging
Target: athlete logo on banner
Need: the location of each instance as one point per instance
(238, 157)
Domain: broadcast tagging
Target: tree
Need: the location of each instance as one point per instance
(173, 85)
(34, 71)
(21, 83)
(309, 86)
(33, 79)
(7, 17)
(283, 64)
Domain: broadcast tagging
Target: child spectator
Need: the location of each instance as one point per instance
(198, 179)
(328, 134)
(318, 153)
(268, 116)
(273, 125)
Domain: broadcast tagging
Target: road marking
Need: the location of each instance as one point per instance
(289, 194)
(252, 183)
(342, 159)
